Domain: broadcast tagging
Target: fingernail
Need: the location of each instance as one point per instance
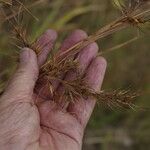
(24, 56)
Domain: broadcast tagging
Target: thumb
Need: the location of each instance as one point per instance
(23, 81)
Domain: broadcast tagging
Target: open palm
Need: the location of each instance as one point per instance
(29, 119)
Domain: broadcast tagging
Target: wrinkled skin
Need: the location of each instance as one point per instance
(30, 120)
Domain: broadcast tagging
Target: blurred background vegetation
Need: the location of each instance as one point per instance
(128, 67)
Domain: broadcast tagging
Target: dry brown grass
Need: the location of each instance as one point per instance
(63, 63)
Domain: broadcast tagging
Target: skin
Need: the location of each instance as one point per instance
(29, 120)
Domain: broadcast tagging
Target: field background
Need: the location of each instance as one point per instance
(128, 67)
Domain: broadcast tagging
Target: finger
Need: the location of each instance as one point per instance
(75, 37)
(23, 81)
(45, 44)
(72, 39)
(84, 58)
(82, 109)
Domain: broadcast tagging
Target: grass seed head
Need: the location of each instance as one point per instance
(63, 63)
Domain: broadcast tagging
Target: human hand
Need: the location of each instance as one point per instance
(29, 120)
